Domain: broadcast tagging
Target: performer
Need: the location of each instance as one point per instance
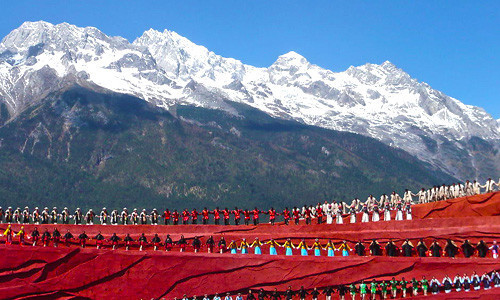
(99, 240)
(103, 216)
(53, 215)
(359, 249)
(288, 245)
(495, 279)
(194, 216)
(65, 216)
(383, 289)
(166, 216)
(387, 212)
(407, 248)
(457, 283)
(494, 249)
(390, 249)
(257, 246)
(182, 243)
(124, 216)
(316, 246)
(8, 233)
(155, 216)
(375, 248)
(328, 291)
(451, 248)
(56, 236)
(435, 249)
(408, 211)
(373, 289)
(175, 217)
(330, 248)
(319, 214)
(78, 216)
(134, 217)
(45, 215)
(404, 286)
(67, 238)
(156, 241)
(399, 211)
(344, 248)
(226, 215)
(352, 213)
(143, 217)
(338, 215)
(26, 215)
(246, 214)
(482, 249)
(233, 247)
(237, 215)
(114, 239)
(114, 217)
(296, 215)
(22, 234)
(303, 247)
(216, 213)
(414, 286)
(89, 217)
(467, 249)
(210, 244)
(434, 285)
(421, 248)
(256, 213)
(475, 281)
(128, 241)
(196, 244)
(205, 216)
(375, 213)
(286, 216)
(425, 285)
(46, 238)
(83, 239)
(447, 284)
(244, 246)
(466, 283)
(169, 243)
(272, 246)
(272, 215)
(35, 235)
(366, 215)
(143, 241)
(222, 245)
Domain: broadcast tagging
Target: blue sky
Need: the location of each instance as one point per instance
(452, 45)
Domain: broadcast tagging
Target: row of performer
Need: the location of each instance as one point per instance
(375, 288)
(373, 209)
(317, 248)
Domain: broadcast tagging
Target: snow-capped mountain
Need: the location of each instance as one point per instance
(380, 101)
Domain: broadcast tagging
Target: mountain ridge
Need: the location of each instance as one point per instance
(166, 69)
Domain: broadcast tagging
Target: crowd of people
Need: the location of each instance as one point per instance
(383, 289)
(316, 248)
(372, 209)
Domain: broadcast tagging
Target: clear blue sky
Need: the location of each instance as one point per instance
(452, 45)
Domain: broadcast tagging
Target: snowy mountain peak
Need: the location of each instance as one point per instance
(165, 68)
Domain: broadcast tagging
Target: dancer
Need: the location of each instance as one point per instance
(272, 246)
(156, 241)
(257, 246)
(128, 241)
(344, 248)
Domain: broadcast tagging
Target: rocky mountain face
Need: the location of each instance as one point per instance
(80, 148)
(165, 69)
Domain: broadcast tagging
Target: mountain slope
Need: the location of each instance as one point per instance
(80, 147)
(379, 101)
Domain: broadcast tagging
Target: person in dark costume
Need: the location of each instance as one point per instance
(35, 235)
(56, 237)
(435, 249)
(143, 241)
(390, 249)
(467, 249)
(375, 248)
(83, 239)
(482, 249)
(169, 243)
(451, 248)
(114, 239)
(196, 244)
(407, 248)
(421, 248)
(182, 243)
(68, 236)
(128, 241)
(156, 241)
(222, 245)
(359, 249)
(99, 240)
(210, 244)
(46, 238)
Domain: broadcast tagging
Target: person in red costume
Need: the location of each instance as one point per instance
(227, 214)
(272, 215)
(246, 213)
(296, 215)
(166, 216)
(237, 216)
(185, 217)
(194, 216)
(319, 214)
(256, 213)
(216, 213)
(205, 216)
(286, 216)
(175, 217)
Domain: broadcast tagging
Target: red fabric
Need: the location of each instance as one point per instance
(29, 271)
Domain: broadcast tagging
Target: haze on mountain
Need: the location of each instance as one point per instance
(167, 70)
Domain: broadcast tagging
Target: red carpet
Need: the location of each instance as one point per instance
(48, 273)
